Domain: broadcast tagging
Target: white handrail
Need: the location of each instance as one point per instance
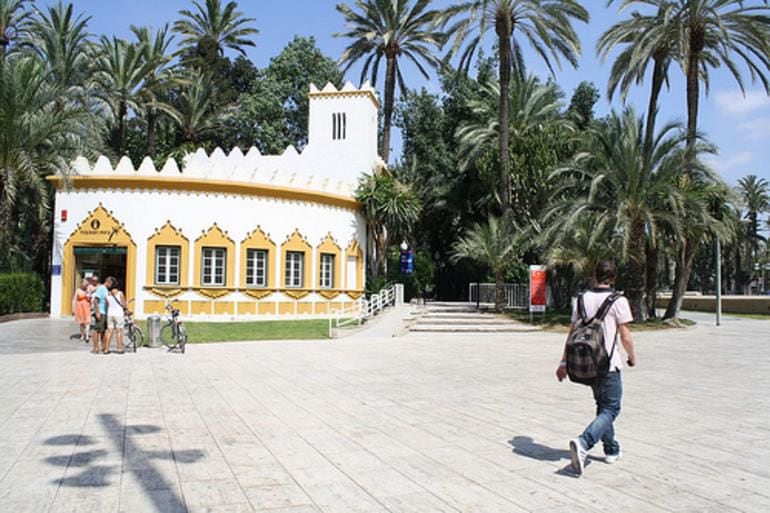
(362, 309)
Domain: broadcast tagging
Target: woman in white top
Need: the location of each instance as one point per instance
(115, 302)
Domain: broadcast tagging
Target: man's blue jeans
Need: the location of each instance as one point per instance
(607, 393)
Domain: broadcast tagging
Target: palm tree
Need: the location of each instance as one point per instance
(545, 24)
(223, 26)
(392, 29)
(159, 78)
(755, 193)
(121, 73)
(391, 209)
(492, 245)
(14, 19)
(711, 34)
(534, 107)
(61, 39)
(646, 39)
(195, 113)
(590, 239)
(37, 138)
(622, 186)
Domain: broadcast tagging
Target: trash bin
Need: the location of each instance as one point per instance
(153, 331)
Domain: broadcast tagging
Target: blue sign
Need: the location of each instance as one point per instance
(56, 270)
(407, 262)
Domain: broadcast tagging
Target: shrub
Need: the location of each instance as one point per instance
(20, 293)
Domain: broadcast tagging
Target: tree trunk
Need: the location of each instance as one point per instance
(693, 97)
(120, 134)
(658, 75)
(684, 259)
(152, 120)
(651, 292)
(499, 291)
(636, 271)
(689, 246)
(504, 31)
(387, 112)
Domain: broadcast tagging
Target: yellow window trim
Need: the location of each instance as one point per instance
(297, 243)
(354, 249)
(329, 247)
(167, 235)
(258, 239)
(214, 237)
(179, 183)
(99, 229)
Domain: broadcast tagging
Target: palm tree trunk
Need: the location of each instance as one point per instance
(637, 273)
(658, 75)
(504, 31)
(693, 97)
(387, 112)
(651, 292)
(499, 291)
(120, 133)
(684, 260)
(152, 120)
(689, 244)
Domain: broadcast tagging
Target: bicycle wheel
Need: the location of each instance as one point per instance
(182, 338)
(137, 337)
(167, 336)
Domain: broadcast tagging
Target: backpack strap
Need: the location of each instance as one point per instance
(604, 309)
(581, 308)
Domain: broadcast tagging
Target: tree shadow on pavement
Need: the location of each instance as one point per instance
(94, 468)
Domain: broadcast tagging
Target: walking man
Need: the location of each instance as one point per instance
(608, 389)
(99, 306)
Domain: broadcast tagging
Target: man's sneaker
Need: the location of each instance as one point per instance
(612, 458)
(578, 455)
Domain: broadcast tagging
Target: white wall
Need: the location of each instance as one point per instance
(142, 212)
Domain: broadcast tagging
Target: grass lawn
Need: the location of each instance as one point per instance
(202, 332)
(560, 322)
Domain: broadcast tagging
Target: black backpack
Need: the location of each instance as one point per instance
(587, 358)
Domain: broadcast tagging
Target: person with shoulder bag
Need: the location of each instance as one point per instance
(592, 357)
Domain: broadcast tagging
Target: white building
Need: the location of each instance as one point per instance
(227, 235)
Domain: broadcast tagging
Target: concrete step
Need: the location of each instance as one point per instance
(463, 321)
(464, 315)
(477, 328)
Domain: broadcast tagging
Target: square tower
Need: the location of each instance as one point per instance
(342, 131)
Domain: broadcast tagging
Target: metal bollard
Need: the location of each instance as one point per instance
(153, 331)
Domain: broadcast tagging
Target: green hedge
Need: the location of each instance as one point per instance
(21, 293)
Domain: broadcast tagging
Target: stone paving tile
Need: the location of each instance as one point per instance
(418, 424)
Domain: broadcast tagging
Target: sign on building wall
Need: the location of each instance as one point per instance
(537, 288)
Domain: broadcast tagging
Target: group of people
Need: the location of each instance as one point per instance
(99, 310)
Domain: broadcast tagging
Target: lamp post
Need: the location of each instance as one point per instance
(719, 281)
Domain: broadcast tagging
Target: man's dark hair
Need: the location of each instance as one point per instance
(605, 272)
(110, 281)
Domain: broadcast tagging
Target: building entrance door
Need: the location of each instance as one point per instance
(103, 261)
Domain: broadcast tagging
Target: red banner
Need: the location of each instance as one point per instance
(537, 288)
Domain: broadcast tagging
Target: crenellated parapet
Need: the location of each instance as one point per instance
(342, 146)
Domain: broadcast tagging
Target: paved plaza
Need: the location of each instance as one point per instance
(418, 424)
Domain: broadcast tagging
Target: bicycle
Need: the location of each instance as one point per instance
(173, 334)
(134, 334)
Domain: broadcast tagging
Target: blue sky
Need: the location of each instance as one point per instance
(739, 125)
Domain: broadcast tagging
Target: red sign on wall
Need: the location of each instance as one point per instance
(537, 288)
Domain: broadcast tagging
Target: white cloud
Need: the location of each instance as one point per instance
(736, 104)
(737, 162)
(755, 129)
